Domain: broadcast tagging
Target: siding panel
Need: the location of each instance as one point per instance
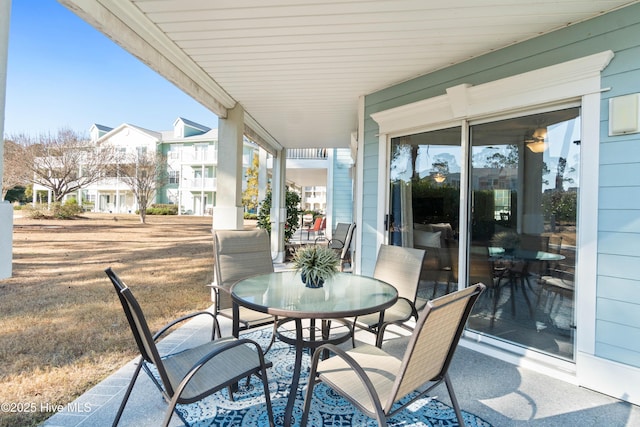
(622, 267)
(621, 221)
(620, 289)
(620, 198)
(625, 147)
(620, 336)
(619, 244)
(621, 174)
(617, 354)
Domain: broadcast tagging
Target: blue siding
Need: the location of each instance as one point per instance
(623, 221)
(619, 188)
(342, 192)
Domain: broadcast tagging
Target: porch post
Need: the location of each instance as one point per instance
(6, 210)
(228, 212)
(262, 174)
(278, 205)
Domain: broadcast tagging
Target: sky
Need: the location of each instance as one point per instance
(62, 73)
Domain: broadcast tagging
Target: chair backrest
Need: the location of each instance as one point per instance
(433, 341)
(339, 235)
(317, 224)
(139, 328)
(239, 254)
(344, 253)
(400, 267)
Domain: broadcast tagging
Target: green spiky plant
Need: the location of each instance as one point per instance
(316, 264)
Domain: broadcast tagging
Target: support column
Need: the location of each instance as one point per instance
(531, 194)
(228, 213)
(278, 206)
(6, 210)
(262, 174)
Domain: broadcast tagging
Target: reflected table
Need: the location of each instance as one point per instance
(520, 260)
(284, 295)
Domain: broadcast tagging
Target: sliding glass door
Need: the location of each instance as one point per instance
(520, 236)
(524, 193)
(424, 196)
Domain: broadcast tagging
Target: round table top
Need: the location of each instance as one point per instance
(525, 254)
(284, 294)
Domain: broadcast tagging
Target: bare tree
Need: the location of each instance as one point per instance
(65, 162)
(14, 173)
(144, 173)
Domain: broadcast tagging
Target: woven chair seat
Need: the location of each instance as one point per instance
(397, 313)
(236, 362)
(380, 367)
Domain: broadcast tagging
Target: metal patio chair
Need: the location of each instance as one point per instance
(195, 373)
(399, 266)
(341, 242)
(373, 380)
(239, 254)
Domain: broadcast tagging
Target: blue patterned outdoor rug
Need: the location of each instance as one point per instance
(327, 408)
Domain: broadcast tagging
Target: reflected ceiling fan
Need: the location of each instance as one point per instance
(537, 141)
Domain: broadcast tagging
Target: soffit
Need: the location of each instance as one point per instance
(299, 67)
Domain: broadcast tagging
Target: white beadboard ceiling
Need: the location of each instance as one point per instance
(298, 67)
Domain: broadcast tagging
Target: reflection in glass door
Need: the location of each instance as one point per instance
(424, 199)
(524, 193)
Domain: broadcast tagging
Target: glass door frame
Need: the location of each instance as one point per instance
(464, 237)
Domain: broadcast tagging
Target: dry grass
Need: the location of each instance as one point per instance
(62, 328)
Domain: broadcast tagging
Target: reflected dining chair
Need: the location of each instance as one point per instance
(374, 380)
(195, 373)
(400, 267)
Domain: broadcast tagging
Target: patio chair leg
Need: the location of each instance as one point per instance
(273, 334)
(128, 393)
(454, 400)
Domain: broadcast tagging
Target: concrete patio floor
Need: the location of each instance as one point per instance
(499, 392)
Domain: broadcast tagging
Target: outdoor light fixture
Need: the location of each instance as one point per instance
(537, 142)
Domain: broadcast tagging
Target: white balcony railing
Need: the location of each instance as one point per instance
(193, 156)
(199, 183)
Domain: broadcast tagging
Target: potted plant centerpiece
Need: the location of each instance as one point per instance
(315, 264)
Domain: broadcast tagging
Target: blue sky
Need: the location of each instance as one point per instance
(62, 73)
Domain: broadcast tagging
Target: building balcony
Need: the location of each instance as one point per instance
(209, 184)
(194, 157)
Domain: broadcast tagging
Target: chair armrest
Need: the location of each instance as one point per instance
(174, 322)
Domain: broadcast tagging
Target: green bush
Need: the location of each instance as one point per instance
(162, 209)
(70, 209)
(292, 200)
(248, 215)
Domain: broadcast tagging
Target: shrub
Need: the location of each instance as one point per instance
(162, 209)
(292, 200)
(249, 215)
(38, 211)
(70, 209)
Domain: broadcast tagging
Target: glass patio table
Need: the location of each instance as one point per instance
(283, 294)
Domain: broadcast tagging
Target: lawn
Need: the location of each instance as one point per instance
(62, 327)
